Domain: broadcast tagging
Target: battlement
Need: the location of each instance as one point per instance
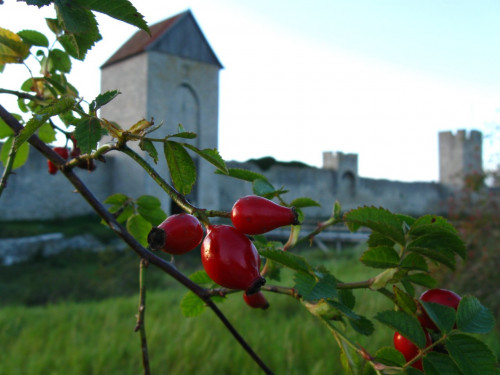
(340, 160)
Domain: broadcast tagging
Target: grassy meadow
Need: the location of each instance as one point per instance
(74, 331)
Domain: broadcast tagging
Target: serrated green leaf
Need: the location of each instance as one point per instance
(88, 133)
(183, 134)
(62, 105)
(21, 157)
(414, 261)
(181, 166)
(304, 202)
(47, 133)
(287, 259)
(362, 325)
(431, 224)
(440, 364)
(377, 239)
(412, 371)
(380, 257)
(325, 287)
(116, 199)
(128, 211)
(406, 324)
(410, 289)
(122, 10)
(201, 278)
(443, 316)
(473, 317)
(427, 247)
(472, 356)
(439, 241)
(244, 174)
(389, 357)
(148, 146)
(304, 284)
(192, 305)
(139, 228)
(346, 297)
(423, 279)
(103, 99)
(155, 216)
(34, 38)
(12, 47)
(263, 188)
(211, 155)
(404, 301)
(380, 220)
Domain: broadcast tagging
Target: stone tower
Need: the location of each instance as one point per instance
(173, 77)
(460, 155)
(346, 166)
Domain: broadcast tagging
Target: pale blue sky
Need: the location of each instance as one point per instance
(378, 78)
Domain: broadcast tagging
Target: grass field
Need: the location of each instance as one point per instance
(94, 334)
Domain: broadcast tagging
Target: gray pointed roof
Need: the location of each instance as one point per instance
(179, 35)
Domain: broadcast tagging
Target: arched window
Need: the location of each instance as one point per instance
(348, 184)
(186, 109)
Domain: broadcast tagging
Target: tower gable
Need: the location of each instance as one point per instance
(179, 35)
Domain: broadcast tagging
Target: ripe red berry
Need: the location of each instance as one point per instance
(441, 296)
(409, 349)
(256, 215)
(256, 300)
(62, 152)
(231, 259)
(177, 234)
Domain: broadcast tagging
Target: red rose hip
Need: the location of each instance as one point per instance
(256, 215)
(62, 152)
(230, 259)
(176, 235)
(440, 296)
(256, 300)
(409, 349)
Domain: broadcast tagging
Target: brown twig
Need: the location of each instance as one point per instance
(141, 325)
(8, 167)
(129, 239)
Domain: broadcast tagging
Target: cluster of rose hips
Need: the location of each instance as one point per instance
(228, 256)
(439, 296)
(65, 154)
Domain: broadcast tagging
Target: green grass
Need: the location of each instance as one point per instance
(96, 337)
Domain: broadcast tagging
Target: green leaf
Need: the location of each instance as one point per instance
(155, 216)
(377, 239)
(127, 212)
(183, 134)
(246, 175)
(47, 133)
(439, 241)
(139, 227)
(472, 356)
(201, 278)
(192, 305)
(414, 261)
(5, 130)
(103, 99)
(34, 38)
(148, 146)
(406, 324)
(211, 155)
(440, 364)
(472, 317)
(88, 133)
(362, 325)
(380, 257)
(378, 219)
(148, 202)
(122, 10)
(434, 248)
(423, 279)
(304, 202)
(181, 166)
(325, 287)
(62, 105)
(12, 48)
(287, 259)
(60, 61)
(21, 157)
(404, 301)
(389, 356)
(347, 298)
(116, 199)
(443, 316)
(263, 188)
(431, 224)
